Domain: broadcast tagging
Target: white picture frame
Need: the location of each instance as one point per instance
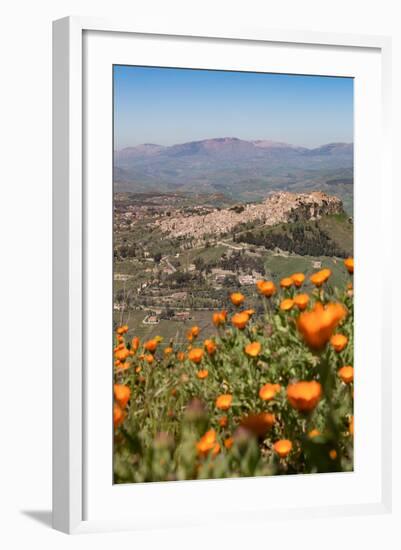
(71, 421)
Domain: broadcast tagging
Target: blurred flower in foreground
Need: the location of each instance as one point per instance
(122, 394)
(258, 424)
(208, 443)
(304, 396)
(118, 415)
(318, 325)
(283, 447)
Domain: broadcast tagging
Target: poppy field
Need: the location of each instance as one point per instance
(268, 394)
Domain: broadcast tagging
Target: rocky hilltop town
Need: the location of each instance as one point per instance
(281, 207)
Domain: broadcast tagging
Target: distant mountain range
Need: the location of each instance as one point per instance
(248, 170)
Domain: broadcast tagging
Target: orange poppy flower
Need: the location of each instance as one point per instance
(168, 351)
(223, 402)
(258, 424)
(151, 345)
(283, 447)
(181, 356)
(219, 318)
(202, 374)
(249, 312)
(122, 330)
(122, 354)
(228, 443)
(304, 396)
(287, 282)
(122, 394)
(266, 288)
(318, 325)
(240, 320)
(349, 264)
(301, 301)
(268, 391)
(286, 304)
(253, 349)
(195, 355)
(298, 279)
(210, 346)
(206, 443)
(333, 454)
(338, 341)
(223, 421)
(118, 415)
(149, 358)
(313, 433)
(237, 298)
(320, 277)
(346, 374)
(138, 369)
(135, 343)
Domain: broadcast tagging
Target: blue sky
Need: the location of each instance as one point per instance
(168, 106)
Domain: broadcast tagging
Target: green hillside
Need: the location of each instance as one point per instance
(328, 236)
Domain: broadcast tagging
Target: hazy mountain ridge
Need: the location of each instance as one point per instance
(223, 146)
(245, 170)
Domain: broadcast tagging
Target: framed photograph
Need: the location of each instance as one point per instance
(212, 342)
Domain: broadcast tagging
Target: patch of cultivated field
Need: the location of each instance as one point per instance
(277, 267)
(168, 329)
